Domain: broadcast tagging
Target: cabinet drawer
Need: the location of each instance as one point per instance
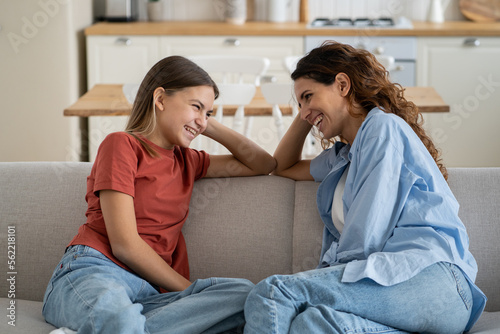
(120, 59)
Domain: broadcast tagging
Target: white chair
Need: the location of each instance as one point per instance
(277, 94)
(290, 63)
(235, 76)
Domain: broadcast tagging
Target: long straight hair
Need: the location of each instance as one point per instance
(371, 86)
(173, 73)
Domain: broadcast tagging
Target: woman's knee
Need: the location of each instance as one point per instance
(267, 290)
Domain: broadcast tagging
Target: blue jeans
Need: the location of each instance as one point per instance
(437, 300)
(91, 294)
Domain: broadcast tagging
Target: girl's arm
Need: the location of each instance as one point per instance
(130, 248)
(288, 154)
(247, 157)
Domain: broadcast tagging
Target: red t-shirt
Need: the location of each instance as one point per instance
(161, 187)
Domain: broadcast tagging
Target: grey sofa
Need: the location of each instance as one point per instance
(238, 227)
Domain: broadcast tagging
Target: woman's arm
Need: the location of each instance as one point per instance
(288, 154)
(247, 157)
(128, 247)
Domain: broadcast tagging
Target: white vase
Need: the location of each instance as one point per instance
(155, 11)
(436, 11)
(236, 11)
(277, 10)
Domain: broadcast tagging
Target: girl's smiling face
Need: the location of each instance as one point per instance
(181, 115)
(326, 106)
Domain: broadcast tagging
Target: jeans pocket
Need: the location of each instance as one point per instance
(462, 285)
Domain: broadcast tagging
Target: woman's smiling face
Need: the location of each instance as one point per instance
(323, 106)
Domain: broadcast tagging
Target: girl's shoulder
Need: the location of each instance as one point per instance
(119, 137)
(118, 142)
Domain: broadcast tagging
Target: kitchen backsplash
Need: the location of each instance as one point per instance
(412, 9)
(212, 10)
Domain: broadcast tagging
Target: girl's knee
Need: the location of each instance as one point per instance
(233, 284)
(244, 285)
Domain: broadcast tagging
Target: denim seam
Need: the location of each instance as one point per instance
(78, 294)
(460, 288)
(369, 331)
(274, 312)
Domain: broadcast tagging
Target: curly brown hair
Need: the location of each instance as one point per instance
(370, 84)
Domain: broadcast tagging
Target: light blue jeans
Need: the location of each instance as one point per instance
(91, 294)
(437, 300)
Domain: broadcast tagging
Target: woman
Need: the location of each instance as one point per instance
(395, 255)
(126, 271)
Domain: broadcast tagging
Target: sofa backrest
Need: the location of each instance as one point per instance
(478, 192)
(45, 203)
(239, 227)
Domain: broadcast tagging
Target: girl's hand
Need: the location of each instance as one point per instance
(247, 157)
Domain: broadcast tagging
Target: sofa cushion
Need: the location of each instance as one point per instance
(307, 228)
(489, 323)
(28, 319)
(249, 223)
(478, 192)
(45, 203)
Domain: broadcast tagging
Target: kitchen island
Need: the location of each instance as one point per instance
(109, 100)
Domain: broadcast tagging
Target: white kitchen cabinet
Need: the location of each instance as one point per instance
(276, 48)
(120, 59)
(465, 72)
(117, 60)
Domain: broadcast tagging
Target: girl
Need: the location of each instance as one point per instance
(131, 248)
(395, 255)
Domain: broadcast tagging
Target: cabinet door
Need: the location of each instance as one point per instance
(275, 48)
(465, 72)
(120, 60)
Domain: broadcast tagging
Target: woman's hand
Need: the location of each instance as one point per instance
(247, 157)
(288, 154)
(128, 247)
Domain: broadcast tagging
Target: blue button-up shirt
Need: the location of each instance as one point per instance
(400, 214)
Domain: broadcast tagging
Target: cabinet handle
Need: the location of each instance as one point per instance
(123, 41)
(472, 42)
(232, 41)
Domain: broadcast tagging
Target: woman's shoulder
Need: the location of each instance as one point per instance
(378, 119)
(385, 126)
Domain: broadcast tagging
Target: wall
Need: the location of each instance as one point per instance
(42, 72)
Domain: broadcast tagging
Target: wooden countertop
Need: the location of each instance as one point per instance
(109, 100)
(214, 28)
